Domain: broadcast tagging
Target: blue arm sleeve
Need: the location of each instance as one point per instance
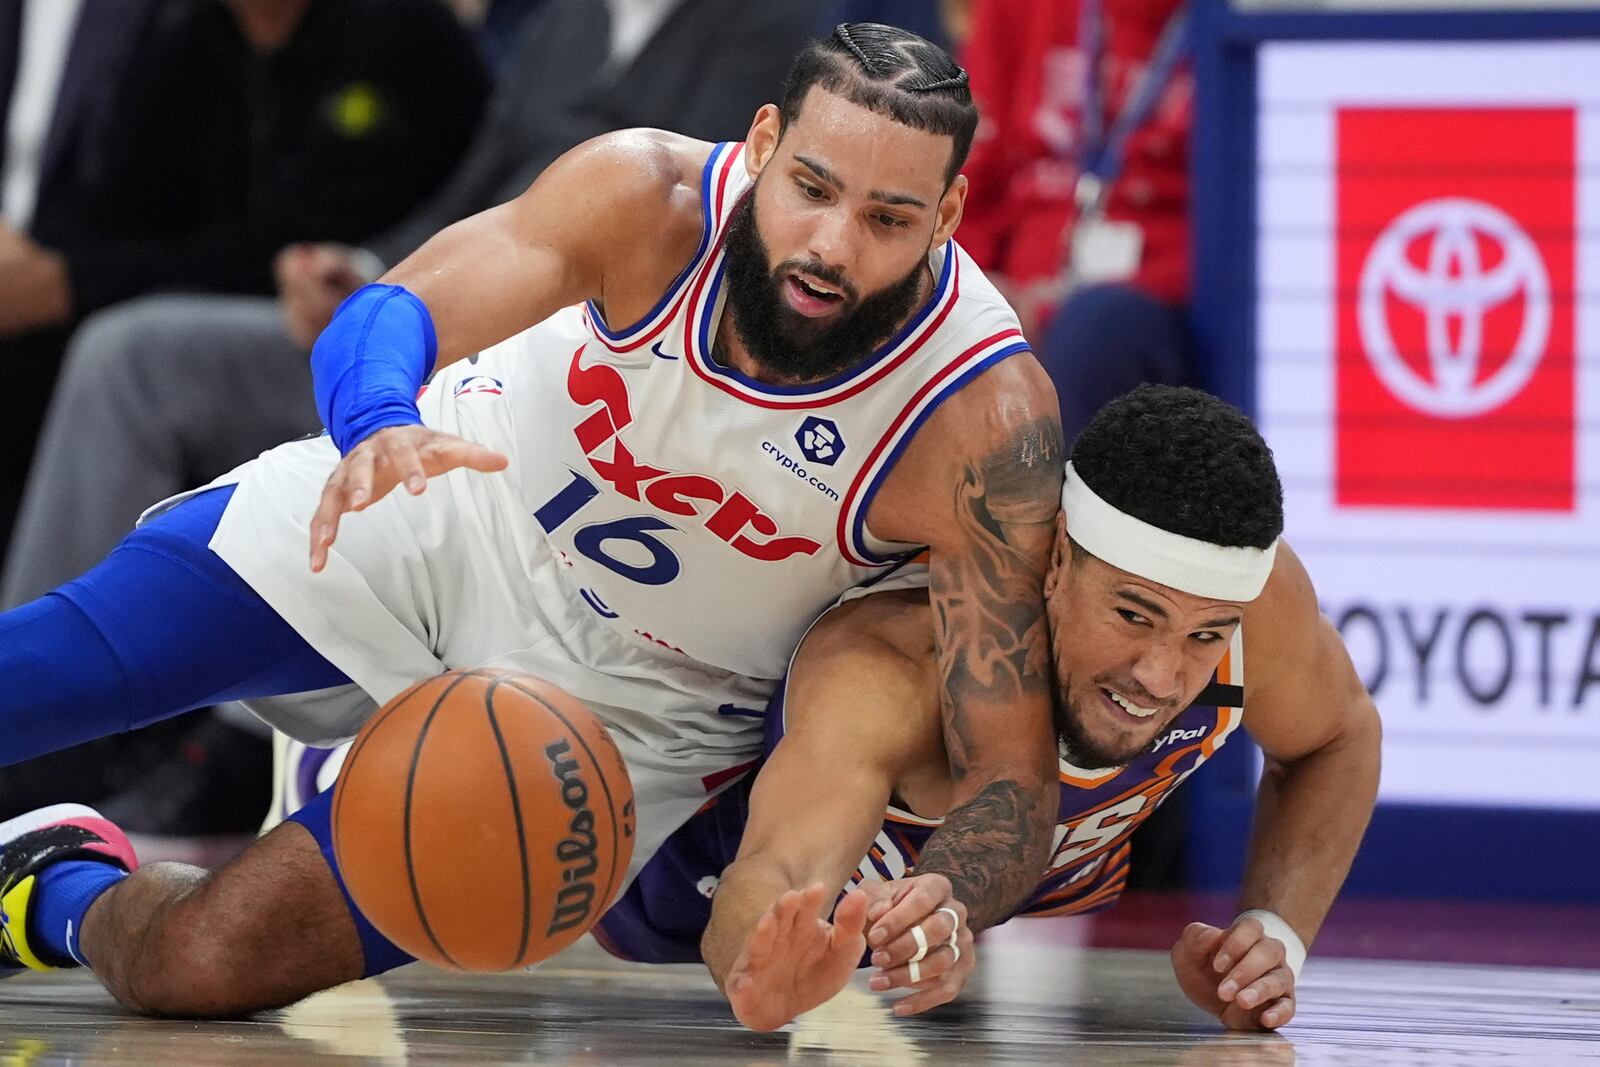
(369, 363)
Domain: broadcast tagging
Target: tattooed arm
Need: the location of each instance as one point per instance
(981, 486)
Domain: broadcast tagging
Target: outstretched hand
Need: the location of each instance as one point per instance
(938, 964)
(1239, 975)
(409, 454)
(795, 961)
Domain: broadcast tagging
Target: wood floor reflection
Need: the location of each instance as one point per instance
(1035, 1000)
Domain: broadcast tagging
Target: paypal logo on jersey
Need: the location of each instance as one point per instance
(820, 440)
(1177, 735)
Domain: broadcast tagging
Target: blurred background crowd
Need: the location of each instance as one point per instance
(188, 189)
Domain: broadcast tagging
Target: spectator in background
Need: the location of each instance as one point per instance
(57, 73)
(497, 24)
(169, 392)
(61, 64)
(237, 126)
(1101, 285)
(233, 127)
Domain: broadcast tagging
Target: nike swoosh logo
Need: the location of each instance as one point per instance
(70, 950)
(656, 348)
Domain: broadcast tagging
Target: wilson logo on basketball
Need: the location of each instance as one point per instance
(575, 900)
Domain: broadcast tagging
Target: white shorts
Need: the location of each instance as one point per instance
(664, 797)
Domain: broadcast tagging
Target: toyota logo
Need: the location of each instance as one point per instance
(1454, 290)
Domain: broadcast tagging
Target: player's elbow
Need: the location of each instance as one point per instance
(1024, 772)
(1362, 739)
(1015, 798)
(1353, 754)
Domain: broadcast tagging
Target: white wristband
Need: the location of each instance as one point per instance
(1294, 950)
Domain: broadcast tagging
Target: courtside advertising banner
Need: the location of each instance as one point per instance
(1428, 333)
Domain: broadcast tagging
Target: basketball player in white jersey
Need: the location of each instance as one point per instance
(1167, 580)
(715, 387)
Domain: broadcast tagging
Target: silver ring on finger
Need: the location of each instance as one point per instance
(955, 926)
(957, 950)
(915, 968)
(922, 943)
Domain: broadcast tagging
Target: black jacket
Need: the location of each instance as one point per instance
(211, 157)
(703, 73)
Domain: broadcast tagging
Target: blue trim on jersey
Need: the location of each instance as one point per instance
(899, 564)
(717, 154)
(858, 526)
(843, 377)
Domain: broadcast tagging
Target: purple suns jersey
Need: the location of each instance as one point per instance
(665, 911)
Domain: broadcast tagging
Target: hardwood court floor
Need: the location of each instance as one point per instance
(1044, 994)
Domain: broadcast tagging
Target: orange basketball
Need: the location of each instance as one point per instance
(483, 820)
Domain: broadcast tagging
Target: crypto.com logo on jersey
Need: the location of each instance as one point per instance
(1455, 380)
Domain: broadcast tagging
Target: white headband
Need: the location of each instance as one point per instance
(1184, 563)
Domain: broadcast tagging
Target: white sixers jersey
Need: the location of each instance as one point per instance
(666, 522)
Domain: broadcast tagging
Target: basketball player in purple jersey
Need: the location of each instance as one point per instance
(716, 386)
(1167, 580)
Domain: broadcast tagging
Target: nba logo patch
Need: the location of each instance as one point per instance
(1455, 383)
(820, 440)
(479, 383)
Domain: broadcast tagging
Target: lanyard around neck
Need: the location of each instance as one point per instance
(1104, 150)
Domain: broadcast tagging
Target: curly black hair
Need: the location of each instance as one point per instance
(894, 73)
(1186, 462)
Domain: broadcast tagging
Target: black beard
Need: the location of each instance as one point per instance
(791, 346)
(1077, 748)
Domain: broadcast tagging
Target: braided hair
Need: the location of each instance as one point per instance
(894, 73)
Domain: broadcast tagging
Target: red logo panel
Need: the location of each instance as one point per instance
(1455, 381)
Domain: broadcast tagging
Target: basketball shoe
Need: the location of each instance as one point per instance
(31, 842)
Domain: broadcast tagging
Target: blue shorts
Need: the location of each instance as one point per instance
(664, 913)
(380, 953)
(160, 626)
(660, 918)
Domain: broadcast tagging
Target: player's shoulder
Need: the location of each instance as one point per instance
(653, 156)
(651, 162)
(892, 629)
(875, 652)
(628, 207)
(1288, 594)
(978, 296)
(1284, 625)
(1007, 417)
(999, 439)
(1009, 389)
(648, 180)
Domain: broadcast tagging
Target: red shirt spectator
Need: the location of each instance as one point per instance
(1027, 74)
